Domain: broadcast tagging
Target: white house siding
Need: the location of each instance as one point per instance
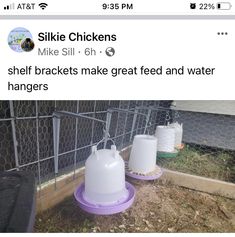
(207, 106)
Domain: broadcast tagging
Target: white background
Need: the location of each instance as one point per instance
(149, 7)
(173, 43)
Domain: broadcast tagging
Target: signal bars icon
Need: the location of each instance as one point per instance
(9, 7)
(42, 5)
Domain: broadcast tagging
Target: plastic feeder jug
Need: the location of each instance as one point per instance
(178, 133)
(105, 177)
(143, 154)
(166, 138)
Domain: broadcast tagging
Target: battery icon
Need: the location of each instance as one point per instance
(224, 5)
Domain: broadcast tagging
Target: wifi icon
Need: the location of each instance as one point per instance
(43, 5)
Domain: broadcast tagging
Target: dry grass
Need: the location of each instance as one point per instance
(219, 165)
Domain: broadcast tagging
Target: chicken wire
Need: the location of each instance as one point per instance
(26, 132)
(209, 140)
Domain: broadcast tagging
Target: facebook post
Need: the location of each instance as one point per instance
(117, 117)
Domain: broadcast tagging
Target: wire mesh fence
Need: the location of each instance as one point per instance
(26, 135)
(209, 139)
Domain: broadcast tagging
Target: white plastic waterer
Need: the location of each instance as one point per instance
(166, 138)
(105, 177)
(178, 133)
(104, 191)
(143, 154)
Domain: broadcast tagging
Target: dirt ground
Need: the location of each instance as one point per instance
(158, 207)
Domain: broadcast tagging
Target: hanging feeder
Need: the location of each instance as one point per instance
(105, 191)
(178, 135)
(142, 162)
(166, 142)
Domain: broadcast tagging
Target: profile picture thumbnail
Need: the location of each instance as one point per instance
(20, 40)
(27, 45)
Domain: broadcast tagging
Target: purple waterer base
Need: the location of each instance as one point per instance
(141, 176)
(104, 210)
